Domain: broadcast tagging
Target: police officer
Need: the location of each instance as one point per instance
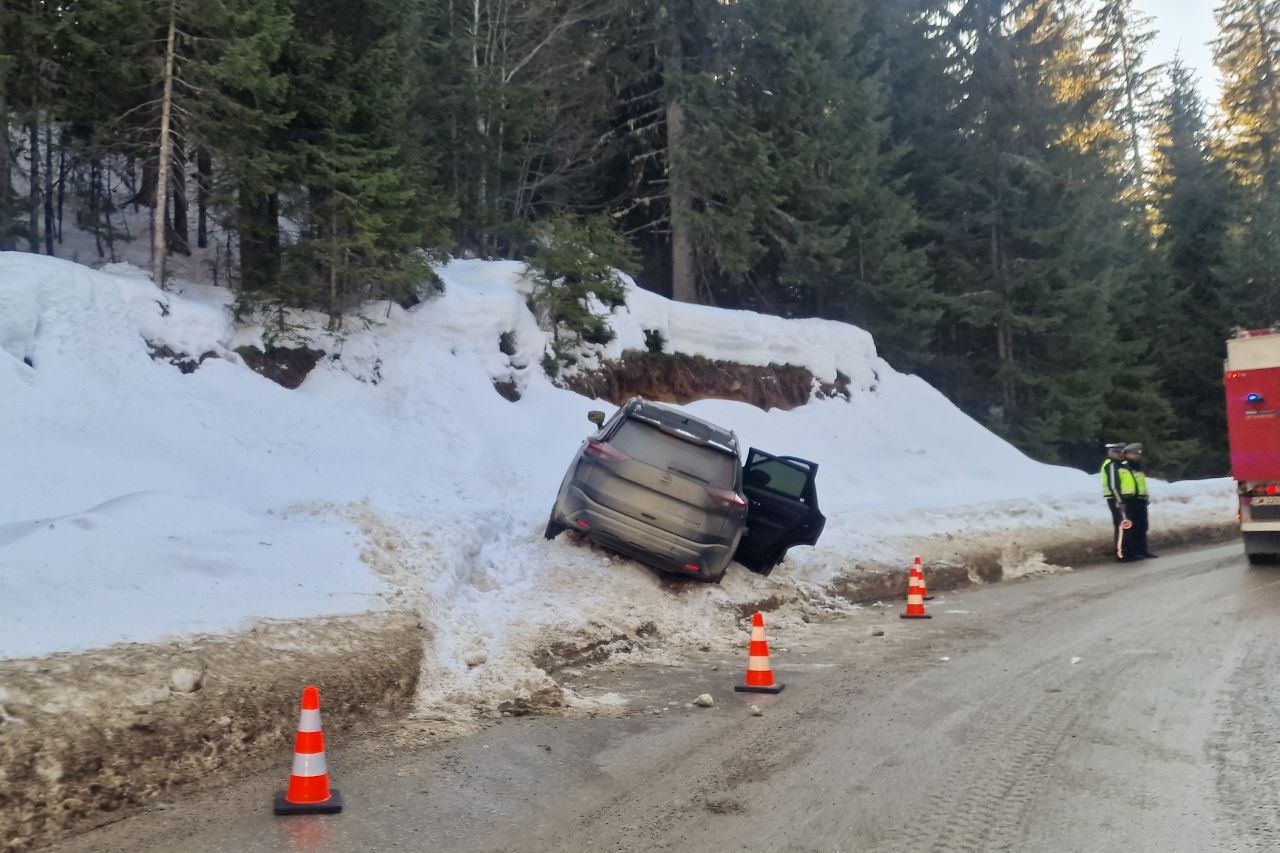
(1111, 489)
(1137, 506)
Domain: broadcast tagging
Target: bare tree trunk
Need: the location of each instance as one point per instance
(106, 217)
(258, 226)
(482, 177)
(180, 239)
(684, 287)
(6, 175)
(158, 246)
(204, 168)
(62, 179)
(335, 312)
(48, 190)
(33, 197)
(1133, 127)
(1004, 335)
(95, 204)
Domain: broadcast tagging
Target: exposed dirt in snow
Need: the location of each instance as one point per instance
(679, 378)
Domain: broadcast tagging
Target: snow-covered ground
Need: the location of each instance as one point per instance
(141, 503)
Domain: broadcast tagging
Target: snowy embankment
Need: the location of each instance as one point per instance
(141, 503)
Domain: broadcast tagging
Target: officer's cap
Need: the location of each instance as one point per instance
(1115, 445)
(1136, 447)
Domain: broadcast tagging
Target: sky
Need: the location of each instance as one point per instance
(1186, 29)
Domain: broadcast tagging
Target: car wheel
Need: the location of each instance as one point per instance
(554, 528)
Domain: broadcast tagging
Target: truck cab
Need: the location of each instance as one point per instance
(1252, 382)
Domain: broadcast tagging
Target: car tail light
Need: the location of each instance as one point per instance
(728, 497)
(691, 567)
(583, 524)
(604, 450)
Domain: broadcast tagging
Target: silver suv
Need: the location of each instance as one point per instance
(668, 489)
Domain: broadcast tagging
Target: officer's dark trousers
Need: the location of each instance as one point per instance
(1138, 515)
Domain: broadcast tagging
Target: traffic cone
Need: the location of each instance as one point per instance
(309, 791)
(924, 589)
(915, 597)
(759, 675)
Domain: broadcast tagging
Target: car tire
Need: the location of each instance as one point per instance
(554, 528)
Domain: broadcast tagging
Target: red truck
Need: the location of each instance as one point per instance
(1253, 429)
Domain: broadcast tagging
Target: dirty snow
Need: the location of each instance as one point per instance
(143, 504)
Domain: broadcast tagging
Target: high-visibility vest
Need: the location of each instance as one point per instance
(1140, 483)
(1110, 482)
(1128, 482)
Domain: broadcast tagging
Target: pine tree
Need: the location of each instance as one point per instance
(359, 184)
(575, 269)
(1193, 306)
(1126, 82)
(1247, 53)
(833, 222)
(1027, 343)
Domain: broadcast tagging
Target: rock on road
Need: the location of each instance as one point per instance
(1117, 708)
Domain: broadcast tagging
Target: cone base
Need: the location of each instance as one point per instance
(755, 688)
(333, 805)
(915, 616)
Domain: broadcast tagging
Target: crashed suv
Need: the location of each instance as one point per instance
(669, 489)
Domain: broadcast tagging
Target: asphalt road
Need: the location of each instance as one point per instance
(1119, 708)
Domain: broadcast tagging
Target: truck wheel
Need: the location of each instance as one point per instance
(554, 528)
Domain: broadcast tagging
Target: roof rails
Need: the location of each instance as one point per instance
(681, 422)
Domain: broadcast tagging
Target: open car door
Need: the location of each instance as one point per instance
(782, 509)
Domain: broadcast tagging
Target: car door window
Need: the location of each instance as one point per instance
(776, 476)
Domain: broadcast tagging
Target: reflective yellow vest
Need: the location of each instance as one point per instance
(1140, 484)
(1128, 482)
(1108, 475)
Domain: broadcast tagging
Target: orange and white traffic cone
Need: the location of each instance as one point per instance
(759, 675)
(924, 588)
(309, 791)
(915, 597)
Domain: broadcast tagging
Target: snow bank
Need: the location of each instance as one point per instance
(143, 503)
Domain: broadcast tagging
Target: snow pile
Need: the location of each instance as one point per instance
(143, 503)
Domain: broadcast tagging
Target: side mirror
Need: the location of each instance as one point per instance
(596, 417)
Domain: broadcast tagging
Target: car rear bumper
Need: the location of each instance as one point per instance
(659, 548)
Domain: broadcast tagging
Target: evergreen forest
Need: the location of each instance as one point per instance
(1010, 195)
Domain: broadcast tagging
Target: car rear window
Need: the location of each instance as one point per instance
(663, 450)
